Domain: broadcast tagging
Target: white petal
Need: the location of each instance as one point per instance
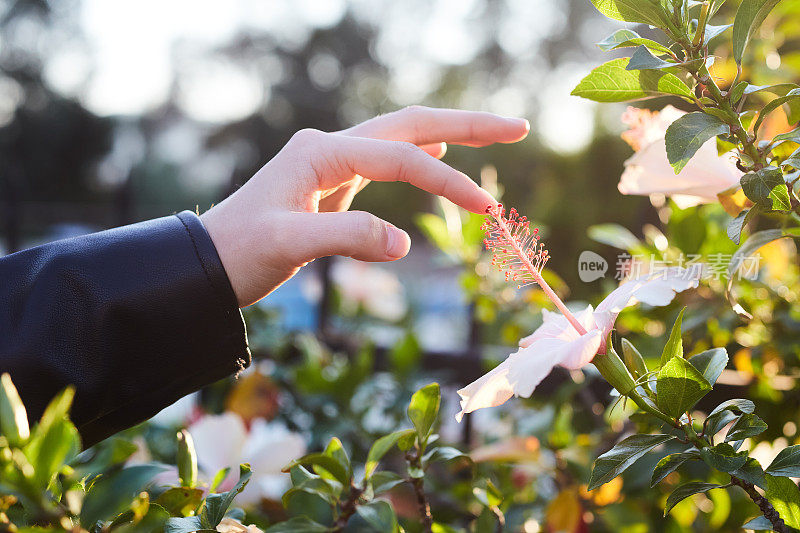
(648, 171)
(489, 390)
(556, 325)
(218, 441)
(522, 371)
(656, 289)
(582, 350)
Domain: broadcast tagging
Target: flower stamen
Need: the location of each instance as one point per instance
(518, 251)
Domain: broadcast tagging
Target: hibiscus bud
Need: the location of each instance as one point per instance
(187, 460)
(633, 359)
(13, 417)
(614, 370)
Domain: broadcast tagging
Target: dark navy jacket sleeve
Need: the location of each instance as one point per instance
(133, 317)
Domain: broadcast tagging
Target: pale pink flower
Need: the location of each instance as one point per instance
(229, 525)
(558, 342)
(648, 171)
(224, 441)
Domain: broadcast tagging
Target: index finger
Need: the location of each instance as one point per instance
(426, 125)
(380, 160)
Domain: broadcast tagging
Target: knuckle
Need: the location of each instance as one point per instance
(306, 136)
(364, 228)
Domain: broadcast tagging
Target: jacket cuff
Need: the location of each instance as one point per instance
(204, 339)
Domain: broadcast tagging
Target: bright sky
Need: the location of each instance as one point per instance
(137, 52)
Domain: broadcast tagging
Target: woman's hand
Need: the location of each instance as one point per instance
(294, 209)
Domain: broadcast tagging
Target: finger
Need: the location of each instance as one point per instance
(341, 157)
(436, 150)
(340, 199)
(355, 234)
(425, 125)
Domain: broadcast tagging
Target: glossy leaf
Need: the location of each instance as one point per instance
(626, 38)
(620, 457)
(784, 496)
(643, 59)
(111, 494)
(786, 463)
(380, 447)
(13, 417)
(611, 82)
(686, 490)
(671, 463)
(217, 504)
(723, 457)
(710, 363)
(679, 386)
(650, 12)
(674, 345)
(424, 408)
(380, 515)
(688, 133)
(748, 425)
(767, 188)
(298, 524)
(749, 17)
(383, 481)
(326, 462)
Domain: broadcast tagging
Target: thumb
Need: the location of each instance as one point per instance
(355, 234)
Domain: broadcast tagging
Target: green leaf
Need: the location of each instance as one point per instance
(671, 463)
(13, 417)
(627, 39)
(327, 489)
(650, 12)
(383, 481)
(793, 160)
(337, 451)
(298, 524)
(686, 135)
(752, 473)
(380, 447)
(613, 369)
(786, 463)
(620, 457)
(791, 96)
(185, 525)
(714, 31)
(49, 451)
(380, 515)
(325, 462)
(784, 496)
(749, 17)
(611, 82)
(180, 501)
(613, 235)
(187, 459)
(767, 187)
(443, 454)
(219, 477)
(674, 346)
(777, 88)
(738, 91)
(686, 490)
(718, 418)
(710, 363)
(737, 224)
(633, 359)
(679, 386)
(217, 504)
(723, 457)
(642, 59)
(424, 408)
(759, 523)
(748, 425)
(111, 494)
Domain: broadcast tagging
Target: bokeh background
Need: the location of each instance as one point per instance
(116, 111)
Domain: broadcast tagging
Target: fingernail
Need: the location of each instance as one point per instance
(397, 242)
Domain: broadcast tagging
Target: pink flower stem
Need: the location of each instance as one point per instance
(537, 276)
